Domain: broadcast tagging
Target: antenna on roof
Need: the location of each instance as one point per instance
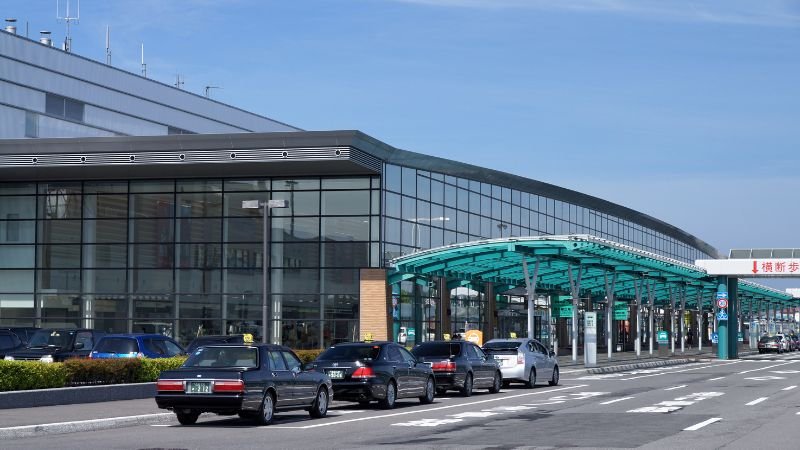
(209, 88)
(108, 45)
(178, 81)
(144, 66)
(67, 18)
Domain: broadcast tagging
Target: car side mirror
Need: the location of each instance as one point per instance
(296, 370)
(79, 346)
(552, 354)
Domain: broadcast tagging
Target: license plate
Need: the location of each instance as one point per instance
(198, 387)
(336, 374)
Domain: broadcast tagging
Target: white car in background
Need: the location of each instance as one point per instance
(523, 360)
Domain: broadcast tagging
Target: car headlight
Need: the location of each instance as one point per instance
(46, 359)
(9, 358)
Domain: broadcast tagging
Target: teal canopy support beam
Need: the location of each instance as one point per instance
(722, 325)
(610, 289)
(395, 278)
(638, 295)
(530, 288)
(682, 319)
(651, 299)
(699, 320)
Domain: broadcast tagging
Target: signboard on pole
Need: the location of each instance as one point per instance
(722, 315)
(715, 338)
(752, 267)
(662, 337)
(590, 339)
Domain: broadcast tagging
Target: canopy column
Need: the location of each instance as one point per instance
(682, 319)
(700, 317)
(637, 287)
(672, 295)
(609, 309)
(530, 288)
(651, 298)
(575, 289)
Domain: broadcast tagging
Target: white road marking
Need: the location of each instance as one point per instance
(715, 379)
(768, 367)
(684, 370)
(655, 409)
(461, 405)
(675, 403)
(675, 387)
(756, 401)
(765, 378)
(545, 403)
(161, 425)
(702, 424)
(700, 396)
(616, 400)
(509, 408)
(789, 388)
(785, 371)
(470, 414)
(422, 423)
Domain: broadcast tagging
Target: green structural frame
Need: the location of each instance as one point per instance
(588, 266)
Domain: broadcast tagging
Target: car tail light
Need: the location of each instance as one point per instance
(363, 373)
(169, 385)
(228, 386)
(520, 358)
(444, 366)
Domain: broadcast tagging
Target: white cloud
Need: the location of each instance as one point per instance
(742, 12)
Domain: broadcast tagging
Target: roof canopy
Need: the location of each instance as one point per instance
(598, 261)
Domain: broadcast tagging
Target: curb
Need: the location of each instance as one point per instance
(83, 425)
(641, 365)
(73, 395)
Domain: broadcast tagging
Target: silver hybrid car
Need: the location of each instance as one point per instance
(523, 360)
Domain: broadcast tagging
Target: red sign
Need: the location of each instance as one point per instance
(722, 303)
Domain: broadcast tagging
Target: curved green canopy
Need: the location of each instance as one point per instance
(500, 261)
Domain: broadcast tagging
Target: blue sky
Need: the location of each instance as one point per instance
(686, 110)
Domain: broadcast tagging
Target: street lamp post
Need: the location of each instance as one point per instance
(415, 236)
(265, 258)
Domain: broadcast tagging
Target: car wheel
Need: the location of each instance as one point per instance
(497, 383)
(320, 406)
(267, 411)
(466, 391)
(554, 381)
(187, 418)
(430, 392)
(391, 396)
(531, 378)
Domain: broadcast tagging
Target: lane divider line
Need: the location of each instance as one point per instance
(680, 371)
(756, 401)
(616, 400)
(383, 416)
(675, 387)
(768, 367)
(789, 388)
(715, 379)
(696, 427)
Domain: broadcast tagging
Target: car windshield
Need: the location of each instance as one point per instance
(246, 357)
(443, 349)
(501, 345)
(117, 345)
(209, 340)
(7, 341)
(51, 338)
(768, 338)
(351, 353)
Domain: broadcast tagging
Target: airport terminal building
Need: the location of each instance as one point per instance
(121, 208)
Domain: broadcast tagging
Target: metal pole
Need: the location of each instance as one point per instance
(651, 296)
(699, 321)
(638, 289)
(682, 318)
(265, 262)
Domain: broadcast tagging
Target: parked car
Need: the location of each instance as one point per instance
(524, 360)
(459, 365)
(770, 344)
(253, 381)
(785, 345)
(795, 340)
(9, 342)
(382, 371)
(57, 344)
(135, 346)
(24, 333)
(217, 339)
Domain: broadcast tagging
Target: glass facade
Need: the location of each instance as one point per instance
(183, 258)
(424, 209)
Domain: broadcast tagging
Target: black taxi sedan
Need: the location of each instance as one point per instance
(382, 371)
(253, 381)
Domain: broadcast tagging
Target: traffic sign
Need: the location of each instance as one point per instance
(715, 338)
(722, 303)
(722, 295)
(722, 315)
(662, 337)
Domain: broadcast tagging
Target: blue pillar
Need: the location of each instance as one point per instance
(722, 325)
(733, 320)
